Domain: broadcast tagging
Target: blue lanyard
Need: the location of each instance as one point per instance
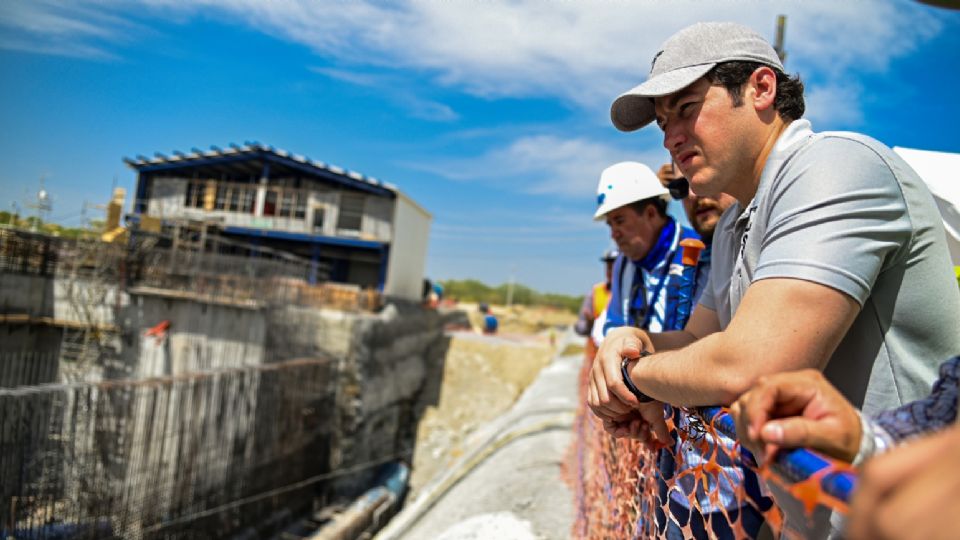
(663, 252)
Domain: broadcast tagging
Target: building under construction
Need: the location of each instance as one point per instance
(352, 228)
(241, 361)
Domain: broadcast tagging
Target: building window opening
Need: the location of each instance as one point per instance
(318, 219)
(351, 211)
(234, 198)
(287, 203)
(195, 190)
(300, 208)
(270, 203)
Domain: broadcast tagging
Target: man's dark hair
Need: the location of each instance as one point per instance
(657, 202)
(733, 75)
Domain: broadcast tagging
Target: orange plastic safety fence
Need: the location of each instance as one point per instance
(620, 493)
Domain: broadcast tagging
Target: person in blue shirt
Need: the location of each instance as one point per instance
(490, 322)
(633, 203)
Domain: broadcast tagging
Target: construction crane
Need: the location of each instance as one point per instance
(778, 42)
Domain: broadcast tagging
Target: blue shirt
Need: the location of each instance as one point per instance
(490, 324)
(933, 413)
(651, 281)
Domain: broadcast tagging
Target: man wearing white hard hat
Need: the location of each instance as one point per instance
(833, 256)
(632, 201)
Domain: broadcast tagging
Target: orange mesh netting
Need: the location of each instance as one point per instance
(620, 491)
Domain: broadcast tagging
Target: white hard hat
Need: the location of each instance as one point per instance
(625, 183)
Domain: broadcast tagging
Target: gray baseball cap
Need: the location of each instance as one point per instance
(685, 57)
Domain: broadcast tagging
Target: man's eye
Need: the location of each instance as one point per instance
(686, 108)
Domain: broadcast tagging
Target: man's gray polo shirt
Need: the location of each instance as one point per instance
(843, 210)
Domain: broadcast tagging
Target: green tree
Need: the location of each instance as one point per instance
(471, 290)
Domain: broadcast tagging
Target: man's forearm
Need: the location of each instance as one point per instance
(694, 375)
(780, 325)
(671, 341)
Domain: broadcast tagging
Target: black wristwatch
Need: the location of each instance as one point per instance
(641, 397)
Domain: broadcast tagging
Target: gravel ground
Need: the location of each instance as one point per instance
(482, 378)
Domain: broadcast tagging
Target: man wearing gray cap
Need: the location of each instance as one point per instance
(833, 256)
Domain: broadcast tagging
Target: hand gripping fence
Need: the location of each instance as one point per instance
(797, 465)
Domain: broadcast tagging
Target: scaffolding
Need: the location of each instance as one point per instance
(164, 457)
(90, 451)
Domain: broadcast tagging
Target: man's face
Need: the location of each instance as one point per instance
(633, 233)
(705, 135)
(703, 212)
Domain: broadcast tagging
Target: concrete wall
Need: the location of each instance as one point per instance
(26, 294)
(167, 197)
(28, 351)
(201, 336)
(377, 219)
(87, 301)
(408, 251)
(389, 368)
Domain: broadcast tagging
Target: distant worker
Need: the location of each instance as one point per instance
(489, 320)
(438, 291)
(430, 296)
(595, 304)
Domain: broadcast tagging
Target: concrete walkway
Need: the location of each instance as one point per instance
(507, 485)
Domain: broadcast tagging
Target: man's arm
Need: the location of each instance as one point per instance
(781, 325)
(629, 342)
(703, 322)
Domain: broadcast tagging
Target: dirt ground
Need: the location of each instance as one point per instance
(483, 376)
(521, 320)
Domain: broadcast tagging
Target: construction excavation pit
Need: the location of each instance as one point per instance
(153, 389)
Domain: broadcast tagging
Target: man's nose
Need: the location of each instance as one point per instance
(673, 137)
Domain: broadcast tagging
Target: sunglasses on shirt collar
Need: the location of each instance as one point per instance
(679, 188)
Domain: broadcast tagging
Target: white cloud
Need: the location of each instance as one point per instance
(834, 106)
(392, 90)
(582, 52)
(63, 29)
(541, 164)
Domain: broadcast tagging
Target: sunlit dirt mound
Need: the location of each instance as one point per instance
(482, 377)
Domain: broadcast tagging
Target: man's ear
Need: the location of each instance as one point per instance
(763, 87)
(650, 211)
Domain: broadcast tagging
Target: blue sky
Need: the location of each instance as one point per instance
(492, 115)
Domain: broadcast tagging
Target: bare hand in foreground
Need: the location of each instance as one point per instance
(797, 409)
(913, 492)
(609, 398)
